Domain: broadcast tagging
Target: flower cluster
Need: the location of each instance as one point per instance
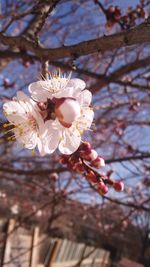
(56, 115)
(86, 161)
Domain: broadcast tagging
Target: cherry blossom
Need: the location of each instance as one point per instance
(56, 86)
(25, 120)
(66, 134)
(67, 113)
(56, 116)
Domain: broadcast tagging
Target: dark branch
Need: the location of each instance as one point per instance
(41, 12)
(136, 157)
(137, 35)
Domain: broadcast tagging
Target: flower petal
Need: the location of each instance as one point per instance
(66, 92)
(84, 98)
(70, 142)
(76, 83)
(41, 147)
(21, 96)
(13, 107)
(72, 88)
(39, 91)
(52, 137)
(28, 140)
(27, 101)
(85, 120)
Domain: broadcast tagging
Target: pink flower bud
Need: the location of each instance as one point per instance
(79, 168)
(6, 82)
(91, 177)
(118, 186)
(85, 147)
(98, 162)
(67, 110)
(89, 155)
(54, 176)
(93, 155)
(102, 188)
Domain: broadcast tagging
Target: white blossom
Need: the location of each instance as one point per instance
(65, 132)
(71, 114)
(56, 116)
(56, 86)
(26, 121)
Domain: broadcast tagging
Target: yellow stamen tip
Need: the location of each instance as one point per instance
(6, 125)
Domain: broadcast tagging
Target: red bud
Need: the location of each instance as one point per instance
(118, 186)
(98, 162)
(91, 177)
(102, 188)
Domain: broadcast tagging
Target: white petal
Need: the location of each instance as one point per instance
(17, 119)
(39, 91)
(28, 140)
(67, 88)
(70, 88)
(21, 96)
(14, 112)
(39, 119)
(77, 84)
(84, 98)
(52, 137)
(85, 120)
(13, 107)
(26, 102)
(41, 147)
(66, 92)
(70, 142)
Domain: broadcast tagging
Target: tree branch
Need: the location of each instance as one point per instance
(137, 35)
(136, 157)
(128, 204)
(41, 11)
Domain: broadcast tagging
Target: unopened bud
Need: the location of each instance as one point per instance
(93, 155)
(102, 188)
(54, 176)
(98, 162)
(118, 186)
(67, 110)
(85, 147)
(92, 177)
(6, 82)
(89, 156)
(79, 167)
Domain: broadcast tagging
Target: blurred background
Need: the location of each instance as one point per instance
(49, 215)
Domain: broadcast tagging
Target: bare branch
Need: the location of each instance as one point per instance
(41, 11)
(137, 35)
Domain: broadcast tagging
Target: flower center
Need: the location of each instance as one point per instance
(66, 110)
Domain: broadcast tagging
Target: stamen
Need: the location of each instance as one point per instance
(11, 138)
(6, 125)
